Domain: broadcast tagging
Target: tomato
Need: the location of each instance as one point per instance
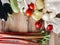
(38, 24)
(28, 12)
(49, 27)
(31, 6)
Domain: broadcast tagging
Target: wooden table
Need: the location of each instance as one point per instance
(54, 39)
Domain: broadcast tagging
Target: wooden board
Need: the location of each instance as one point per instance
(21, 23)
(54, 39)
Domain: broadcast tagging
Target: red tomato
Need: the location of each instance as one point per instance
(28, 12)
(31, 6)
(38, 25)
(49, 27)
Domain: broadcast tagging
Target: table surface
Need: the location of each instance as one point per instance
(54, 39)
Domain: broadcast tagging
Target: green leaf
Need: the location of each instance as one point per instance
(14, 6)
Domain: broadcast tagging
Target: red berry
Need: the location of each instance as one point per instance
(28, 12)
(31, 6)
(38, 25)
(49, 27)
